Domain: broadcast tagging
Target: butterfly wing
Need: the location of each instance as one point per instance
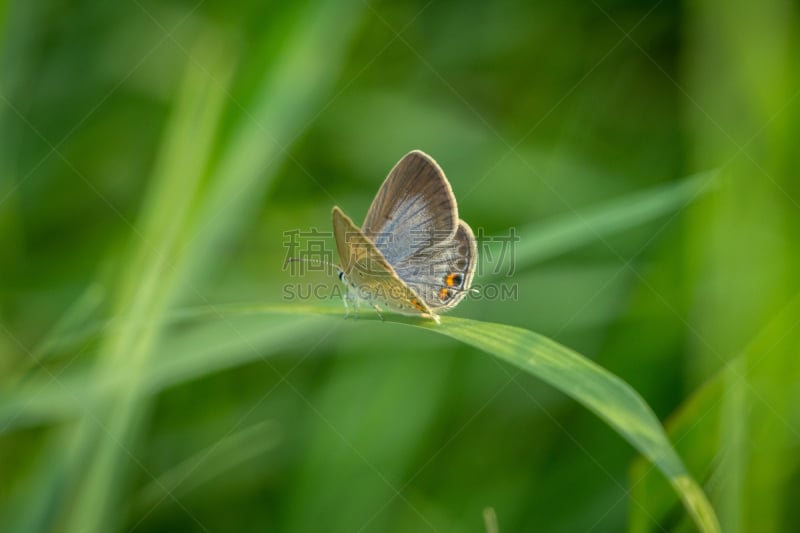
(414, 208)
(369, 274)
(442, 274)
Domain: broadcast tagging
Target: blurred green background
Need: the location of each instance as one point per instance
(152, 155)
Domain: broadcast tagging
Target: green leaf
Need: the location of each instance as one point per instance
(603, 393)
(697, 427)
(210, 463)
(567, 232)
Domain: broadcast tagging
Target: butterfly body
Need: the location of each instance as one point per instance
(412, 255)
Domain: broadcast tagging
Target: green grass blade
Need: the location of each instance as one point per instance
(181, 223)
(562, 234)
(291, 92)
(606, 395)
(698, 427)
(598, 390)
(100, 451)
(193, 354)
(208, 464)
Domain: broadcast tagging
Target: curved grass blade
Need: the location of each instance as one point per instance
(696, 427)
(603, 393)
(564, 233)
(209, 464)
(193, 354)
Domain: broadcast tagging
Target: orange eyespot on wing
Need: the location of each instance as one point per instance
(444, 294)
(453, 279)
(416, 304)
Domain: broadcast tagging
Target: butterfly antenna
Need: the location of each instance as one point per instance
(316, 262)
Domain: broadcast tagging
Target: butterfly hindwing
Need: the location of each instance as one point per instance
(442, 274)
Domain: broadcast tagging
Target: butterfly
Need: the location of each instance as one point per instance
(412, 255)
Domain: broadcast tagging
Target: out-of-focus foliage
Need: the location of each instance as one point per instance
(156, 156)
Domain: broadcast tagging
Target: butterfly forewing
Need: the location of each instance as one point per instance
(414, 209)
(367, 272)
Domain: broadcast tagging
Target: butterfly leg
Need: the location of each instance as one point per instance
(432, 316)
(348, 300)
(353, 301)
(378, 310)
